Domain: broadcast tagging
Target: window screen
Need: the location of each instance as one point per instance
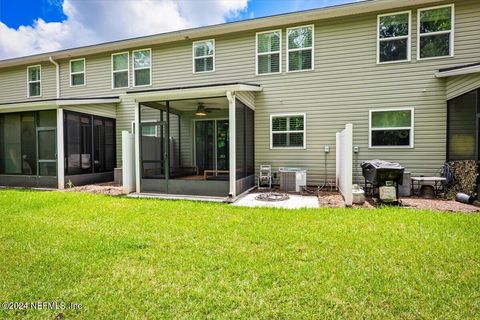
(462, 127)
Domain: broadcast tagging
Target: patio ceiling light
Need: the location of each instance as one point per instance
(200, 110)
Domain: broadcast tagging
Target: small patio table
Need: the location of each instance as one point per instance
(437, 182)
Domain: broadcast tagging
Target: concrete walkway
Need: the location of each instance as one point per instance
(294, 202)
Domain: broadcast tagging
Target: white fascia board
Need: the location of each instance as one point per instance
(191, 93)
(458, 72)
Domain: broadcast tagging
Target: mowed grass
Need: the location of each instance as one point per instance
(143, 258)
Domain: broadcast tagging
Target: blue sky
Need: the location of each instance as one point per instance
(34, 26)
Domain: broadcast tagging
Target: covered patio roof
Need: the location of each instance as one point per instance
(191, 92)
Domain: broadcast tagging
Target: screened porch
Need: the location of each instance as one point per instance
(185, 146)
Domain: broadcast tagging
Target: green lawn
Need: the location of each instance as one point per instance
(120, 258)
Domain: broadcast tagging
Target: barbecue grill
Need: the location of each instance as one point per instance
(378, 173)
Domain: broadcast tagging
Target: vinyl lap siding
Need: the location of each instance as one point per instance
(345, 84)
(459, 85)
(13, 84)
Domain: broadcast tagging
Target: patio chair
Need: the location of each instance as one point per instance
(265, 177)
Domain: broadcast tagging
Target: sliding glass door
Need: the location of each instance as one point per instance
(211, 145)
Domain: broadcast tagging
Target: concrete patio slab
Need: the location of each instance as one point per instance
(294, 202)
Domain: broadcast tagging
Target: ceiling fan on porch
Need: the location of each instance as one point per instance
(202, 111)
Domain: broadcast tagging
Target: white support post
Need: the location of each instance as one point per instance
(232, 144)
(60, 151)
(137, 147)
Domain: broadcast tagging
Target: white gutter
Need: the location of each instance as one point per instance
(57, 69)
(458, 72)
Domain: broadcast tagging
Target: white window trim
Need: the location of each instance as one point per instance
(146, 121)
(257, 54)
(123, 70)
(408, 37)
(301, 49)
(451, 32)
(277, 115)
(134, 69)
(73, 73)
(205, 56)
(39, 81)
(411, 128)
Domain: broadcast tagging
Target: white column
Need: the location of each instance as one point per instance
(137, 147)
(232, 144)
(60, 150)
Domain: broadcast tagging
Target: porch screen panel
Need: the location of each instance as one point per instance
(249, 141)
(240, 139)
(29, 148)
(462, 127)
(25, 139)
(79, 143)
(153, 142)
(244, 138)
(109, 145)
(73, 143)
(89, 143)
(12, 148)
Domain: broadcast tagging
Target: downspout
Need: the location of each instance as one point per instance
(57, 69)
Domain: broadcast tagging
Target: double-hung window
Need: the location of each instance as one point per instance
(287, 131)
(300, 48)
(204, 56)
(142, 67)
(77, 72)
(435, 32)
(269, 57)
(34, 81)
(120, 70)
(391, 128)
(394, 37)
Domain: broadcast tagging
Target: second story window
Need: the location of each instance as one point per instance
(269, 57)
(34, 81)
(394, 37)
(120, 73)
(204, 56)
(77, 72)
(300, 48)
(435, 32)
(142, 64)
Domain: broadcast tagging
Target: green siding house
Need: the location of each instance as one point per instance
(204, 107)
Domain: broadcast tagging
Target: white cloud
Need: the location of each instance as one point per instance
(92, 21)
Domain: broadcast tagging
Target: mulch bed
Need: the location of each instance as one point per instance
(108, 188)
(335, 200)
(438, 205)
